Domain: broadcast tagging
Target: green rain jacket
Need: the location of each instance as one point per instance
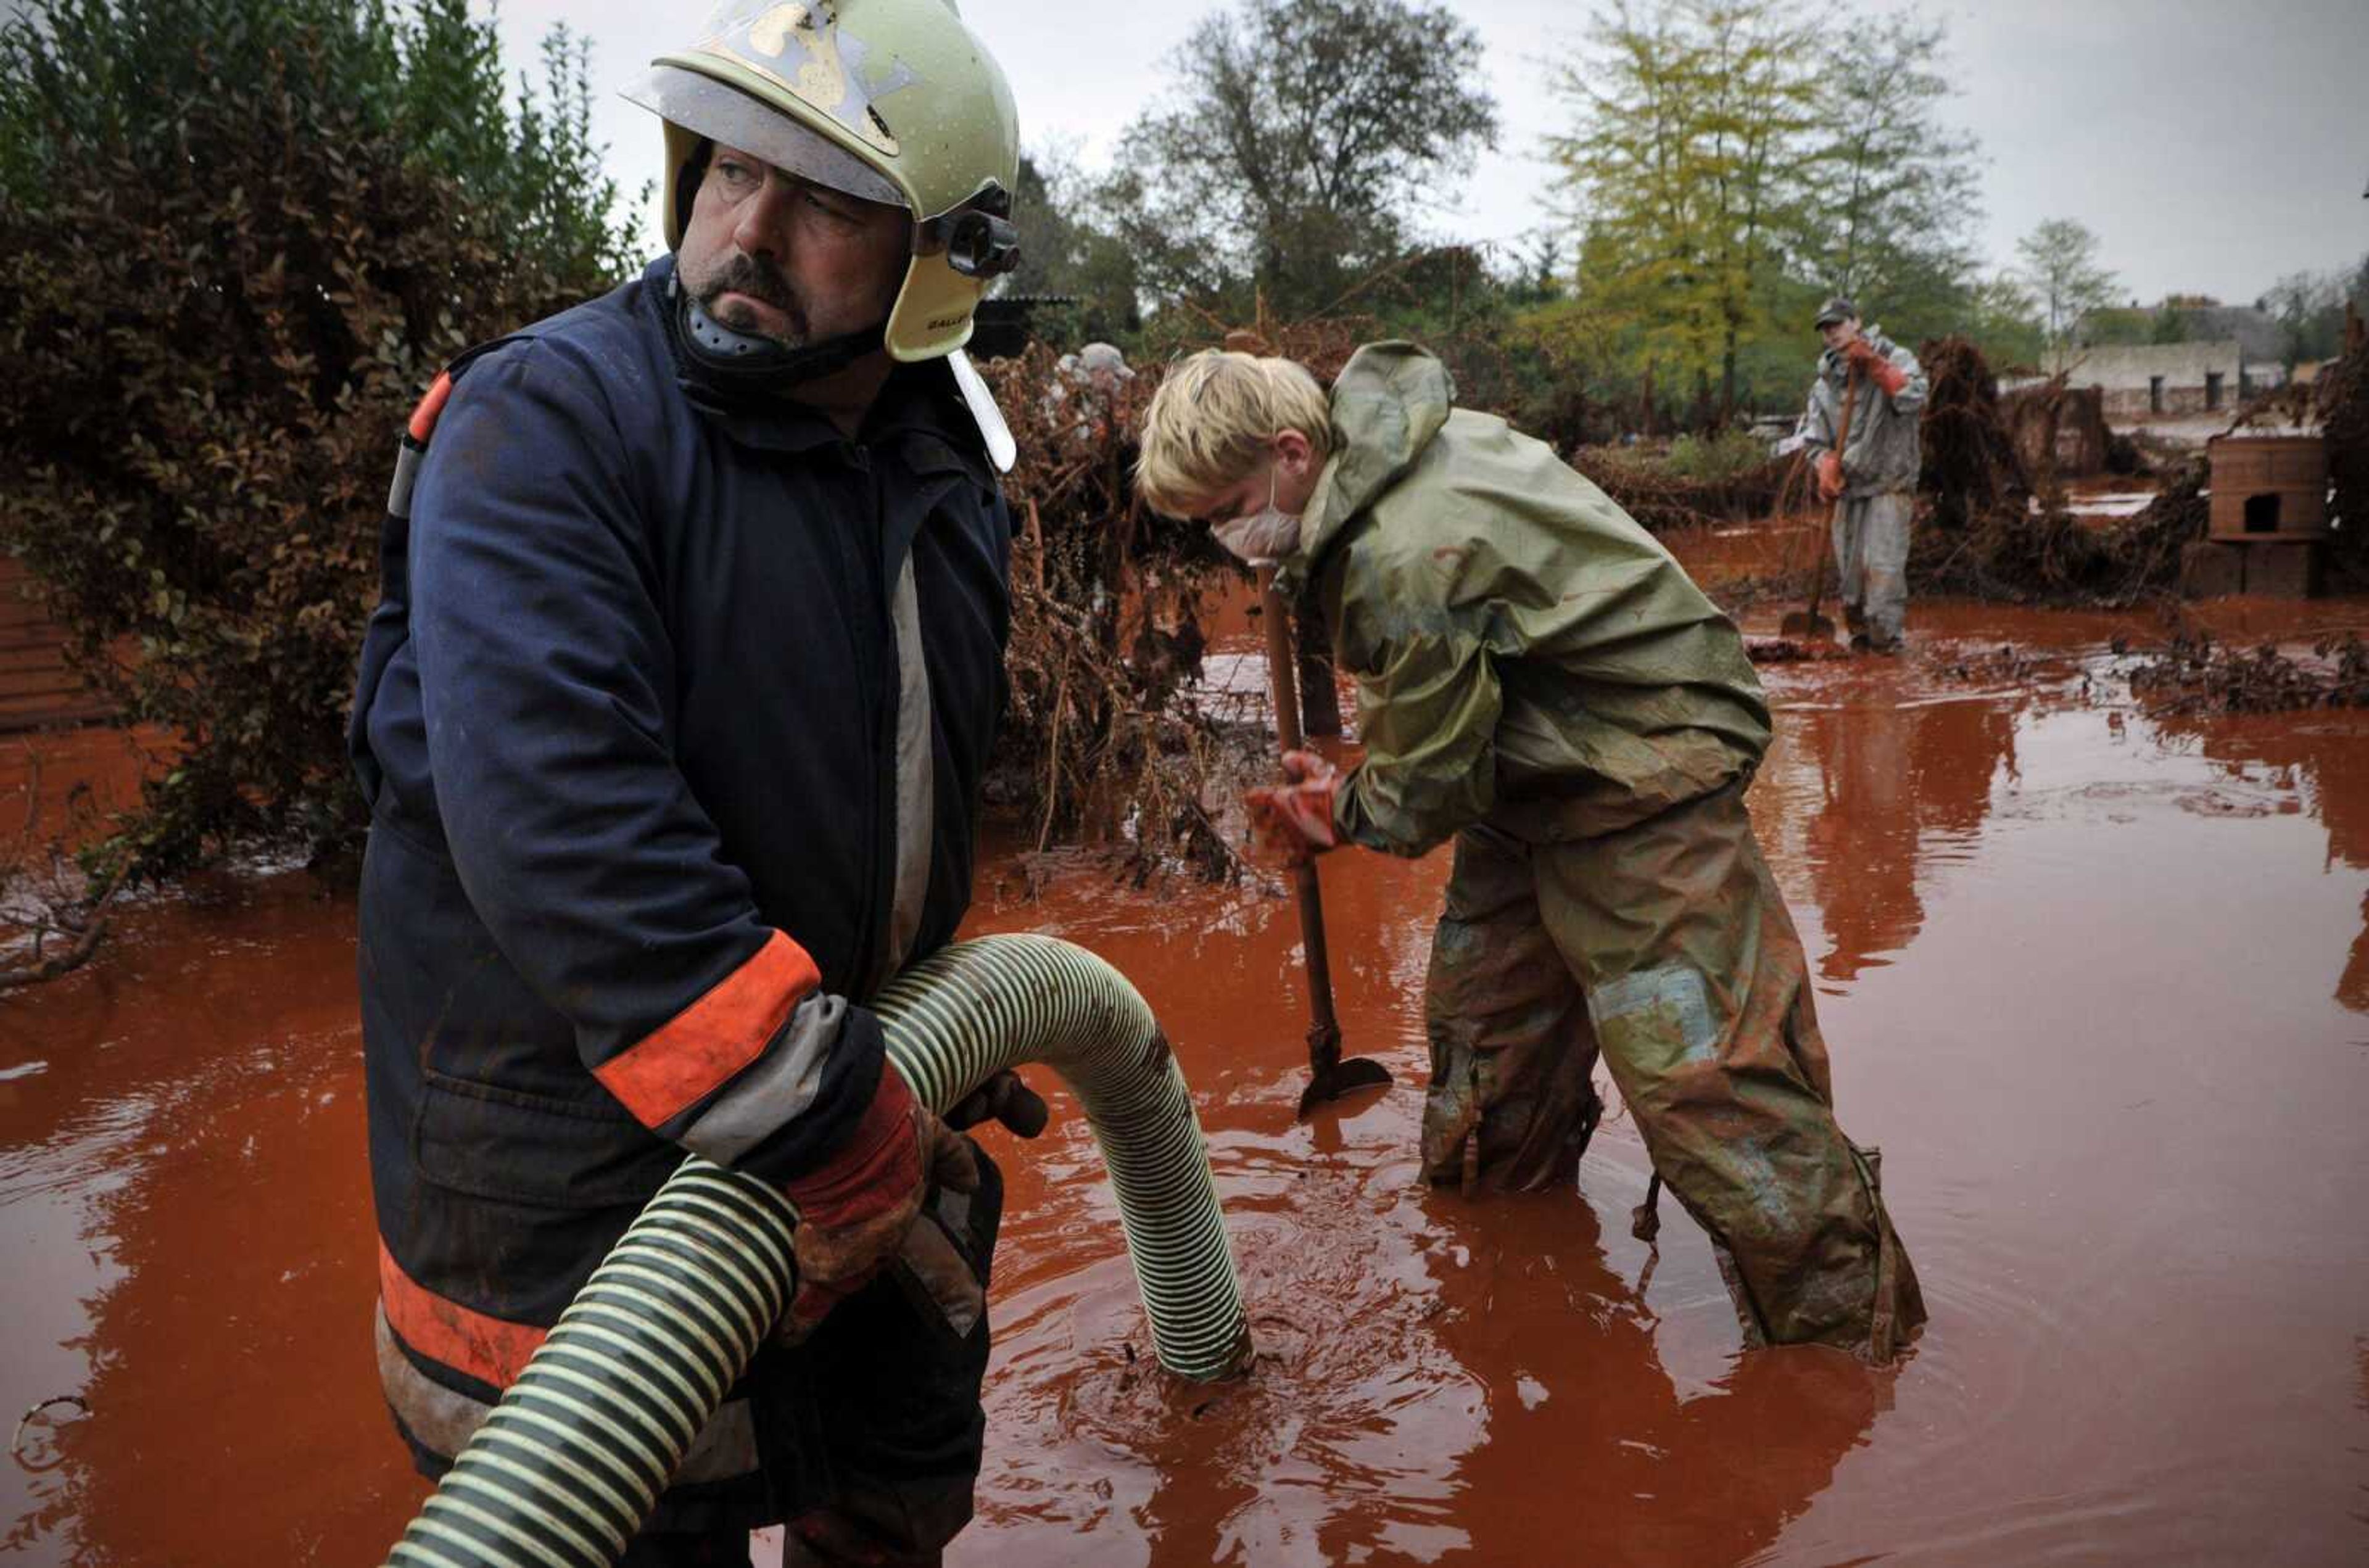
(1524, 651)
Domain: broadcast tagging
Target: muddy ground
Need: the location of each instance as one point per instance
(2095, 983)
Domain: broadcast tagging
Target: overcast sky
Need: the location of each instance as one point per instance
(2212, 145)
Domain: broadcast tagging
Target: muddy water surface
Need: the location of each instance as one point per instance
(2096, 984)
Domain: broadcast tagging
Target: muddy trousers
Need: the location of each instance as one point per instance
(1872, 551)
(1667, 948)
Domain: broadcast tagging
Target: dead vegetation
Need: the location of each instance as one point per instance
(1665, 502)
(1103, 739)
(2003, 530)
(2343, 414)
(54, 911)
(2196, 675)
(2024, 554)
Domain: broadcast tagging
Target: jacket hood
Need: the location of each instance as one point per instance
(1388, 403)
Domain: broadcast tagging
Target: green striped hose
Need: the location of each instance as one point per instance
(571, 1461)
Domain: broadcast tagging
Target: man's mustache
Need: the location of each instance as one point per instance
(760, 280)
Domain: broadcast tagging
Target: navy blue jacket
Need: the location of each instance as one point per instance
(628, 722)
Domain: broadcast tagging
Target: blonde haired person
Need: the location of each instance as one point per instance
(1540, 682)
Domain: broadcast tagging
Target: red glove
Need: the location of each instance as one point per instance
(1830, 475)
(1883, 371)
(1294, 819)
(854, 1209)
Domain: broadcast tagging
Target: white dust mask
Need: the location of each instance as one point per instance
(1264, 537)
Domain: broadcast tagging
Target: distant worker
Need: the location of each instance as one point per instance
(671, 721)
(1875, 480)
(1094, 377)
(1540, 682)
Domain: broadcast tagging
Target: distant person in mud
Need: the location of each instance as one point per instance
(1540, 682)
(671, 721)
(1088, 385)
(1875, 479)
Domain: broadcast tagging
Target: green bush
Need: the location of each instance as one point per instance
(1723, 456)
(236, 239)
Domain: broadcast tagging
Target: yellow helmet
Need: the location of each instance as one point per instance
(892, 100)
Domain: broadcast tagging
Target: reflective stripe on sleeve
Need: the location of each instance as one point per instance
(429, 408)
(699, 1049)
(774, 1091)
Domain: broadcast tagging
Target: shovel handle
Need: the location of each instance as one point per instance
(1282, 677)
(1842, 441)
(1324, 1035)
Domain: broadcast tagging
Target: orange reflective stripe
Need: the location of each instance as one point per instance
(489, 1349)
(662, 1075)
(423, 418)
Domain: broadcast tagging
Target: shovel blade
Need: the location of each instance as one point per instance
(1342, 1079)
(1805, 623)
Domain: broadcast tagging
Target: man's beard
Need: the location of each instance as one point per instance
(759, 279)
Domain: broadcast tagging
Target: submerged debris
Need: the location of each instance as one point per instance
(2196, 675)
(1785, 650)
(2006, 663)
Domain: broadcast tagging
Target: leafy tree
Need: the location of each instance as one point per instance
(236, 239)
(2003, 320)
(1895, 192)
(2168, 323)
(2114, 325)
(2309, 307)
(2060, 265)
(1064, 251)
(1684, 162)
(1300, 140)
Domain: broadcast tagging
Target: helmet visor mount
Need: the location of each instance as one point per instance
(730, 117)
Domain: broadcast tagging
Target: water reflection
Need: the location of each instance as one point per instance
(2324, 760)
(1898, 782)
(2147, 1326)
(1594, 1455)
(185, 1213)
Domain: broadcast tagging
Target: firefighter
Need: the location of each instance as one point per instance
(671, 720)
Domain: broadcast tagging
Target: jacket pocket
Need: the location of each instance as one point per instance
(534, 1151)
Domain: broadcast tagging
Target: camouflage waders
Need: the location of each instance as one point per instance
(1667, 946)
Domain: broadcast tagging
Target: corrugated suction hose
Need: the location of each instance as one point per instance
(570, 1462)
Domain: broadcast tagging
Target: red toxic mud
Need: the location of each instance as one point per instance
(2095, 983)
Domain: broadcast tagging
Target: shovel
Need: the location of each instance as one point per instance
(1809, 622)
(1329, 1076)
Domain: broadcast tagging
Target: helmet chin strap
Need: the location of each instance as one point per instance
(742, 364)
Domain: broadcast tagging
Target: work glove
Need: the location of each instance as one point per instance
(1002, 1098)
(856, 1210)
(1830, 475)
(1294, 819)
(1883, 371)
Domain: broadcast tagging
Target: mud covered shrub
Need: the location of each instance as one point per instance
(1665, 497)
(236, 239)
(1103, 737)
(1969, 462)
